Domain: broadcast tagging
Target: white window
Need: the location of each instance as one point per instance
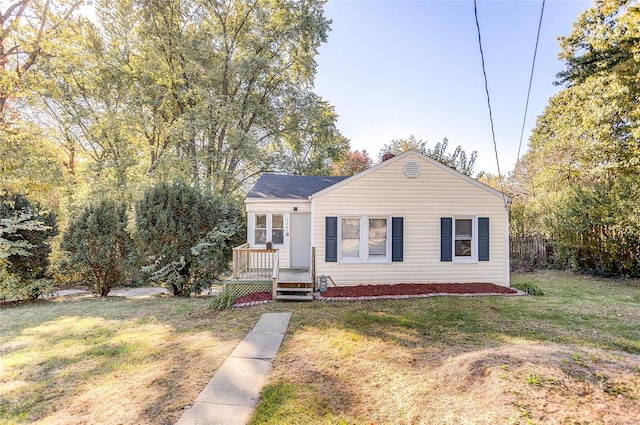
(464, 239)
(269, 228)
(373, 246)
(260, 232)
(350, 238)
(277, 229)
(378, 238)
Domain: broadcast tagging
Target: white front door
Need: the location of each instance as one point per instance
(300, 241)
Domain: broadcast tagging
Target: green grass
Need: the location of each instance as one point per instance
(570, 356)
(110, 360)
(472, 360)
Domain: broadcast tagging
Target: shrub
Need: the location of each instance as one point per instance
(222, 301)
(598, 229)
(25, 233)
(185, 236)
(99, 245)
(529, 287)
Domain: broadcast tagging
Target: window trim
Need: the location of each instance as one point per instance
(363, 251)
(474, 240)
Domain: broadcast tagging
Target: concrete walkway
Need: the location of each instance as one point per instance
(126, 292)
(230, 397)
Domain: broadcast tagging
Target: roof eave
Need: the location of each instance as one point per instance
(248, 200)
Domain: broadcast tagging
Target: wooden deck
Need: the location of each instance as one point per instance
(255, 264)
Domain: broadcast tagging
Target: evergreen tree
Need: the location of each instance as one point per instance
(99, 245)
(185, 236)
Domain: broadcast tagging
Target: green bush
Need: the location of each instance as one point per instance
(598, 228)
(222, 301)
(99, 245)
(529, 287)
(185, 236)
(25, 233)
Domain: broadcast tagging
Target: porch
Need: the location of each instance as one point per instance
(262, 265)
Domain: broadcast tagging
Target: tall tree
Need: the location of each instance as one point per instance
(198, 89)
(30, 31)
(587, 143)
(589, 131)
(310, 142)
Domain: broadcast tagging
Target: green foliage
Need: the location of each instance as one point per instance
(604, 41)
(13, 289)
(311, 143)
(208, 92)
(186, 236)
(25, 233)
(529, 287)
(458, 159)
(222, 300)
(598, 227)
(99, 245)
(30, 31)
(578, 180)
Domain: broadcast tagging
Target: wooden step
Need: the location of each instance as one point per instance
(294, 297)
(289, 289)
(295, 284)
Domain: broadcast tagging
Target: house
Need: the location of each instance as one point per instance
(409, 219)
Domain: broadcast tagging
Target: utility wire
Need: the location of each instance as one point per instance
(486, 89)
(526, 107)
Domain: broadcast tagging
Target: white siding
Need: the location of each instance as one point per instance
(422, 201)
(275, 207)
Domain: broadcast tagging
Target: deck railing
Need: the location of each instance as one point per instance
(254, 263)
(275, 275)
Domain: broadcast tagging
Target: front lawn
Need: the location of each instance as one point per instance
(111, 360)
(570, 356)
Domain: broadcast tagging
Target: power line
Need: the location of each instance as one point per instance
(486, 89)
(526, 107)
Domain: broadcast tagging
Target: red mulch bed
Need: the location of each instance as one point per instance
(416, 289)
(256, 296)
(399, 289)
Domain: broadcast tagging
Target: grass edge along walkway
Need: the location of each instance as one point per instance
(232, 394)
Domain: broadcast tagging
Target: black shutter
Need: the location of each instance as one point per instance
(483, 238)
(331, 240)
(397, 238)
(446, 238)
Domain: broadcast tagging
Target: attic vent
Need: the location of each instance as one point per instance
(411, 169)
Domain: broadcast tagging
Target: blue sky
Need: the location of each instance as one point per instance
(396, 68)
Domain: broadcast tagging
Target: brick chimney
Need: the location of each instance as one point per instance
(387, 156)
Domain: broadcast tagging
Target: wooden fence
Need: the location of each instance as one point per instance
(532, 250)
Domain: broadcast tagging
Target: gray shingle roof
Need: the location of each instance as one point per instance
(283, 186)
